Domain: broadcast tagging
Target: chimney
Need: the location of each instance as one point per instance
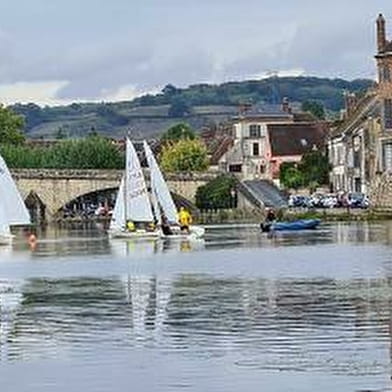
(381, 34)
(286, 105)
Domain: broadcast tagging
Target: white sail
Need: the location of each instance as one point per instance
(4, 226)
(118, 217)
(14, 208)
(159, 186)
(137, 201)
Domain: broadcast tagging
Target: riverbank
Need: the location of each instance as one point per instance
(337, 214)
(235, 216)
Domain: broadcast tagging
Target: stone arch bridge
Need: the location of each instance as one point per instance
(56, 188)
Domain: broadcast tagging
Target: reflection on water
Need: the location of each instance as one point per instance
(237, 311)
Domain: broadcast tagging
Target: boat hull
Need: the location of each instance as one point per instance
(196, 232)
(305, 224)
(6, 239)
(134, 234)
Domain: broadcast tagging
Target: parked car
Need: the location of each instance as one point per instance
(329, 201)
(298, 201)
(357, 200)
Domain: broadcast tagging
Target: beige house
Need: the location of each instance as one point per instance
(267, 136)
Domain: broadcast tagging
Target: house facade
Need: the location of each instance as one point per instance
(265, 137)
(360, 147)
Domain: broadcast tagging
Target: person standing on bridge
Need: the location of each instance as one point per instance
(185, 220)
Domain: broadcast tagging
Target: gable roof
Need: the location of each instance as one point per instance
(296, 139)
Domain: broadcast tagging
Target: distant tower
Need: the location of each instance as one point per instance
(384, 65)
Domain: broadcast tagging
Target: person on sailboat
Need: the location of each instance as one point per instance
(131, 226)
(185, 219)
(165, 225)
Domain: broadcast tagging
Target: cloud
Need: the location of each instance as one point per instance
(80, 51)
(43, 93)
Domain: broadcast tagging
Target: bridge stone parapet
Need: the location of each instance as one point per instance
(56, 188)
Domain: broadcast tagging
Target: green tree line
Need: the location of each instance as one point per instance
(93, 152)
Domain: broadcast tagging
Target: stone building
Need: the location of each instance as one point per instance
(360, 147)
(384, 65)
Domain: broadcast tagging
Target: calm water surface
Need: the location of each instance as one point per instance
(239, 311)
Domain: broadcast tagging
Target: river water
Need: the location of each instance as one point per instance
(238, 311)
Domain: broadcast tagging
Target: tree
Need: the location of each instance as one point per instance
(216, 194)
(291, 176)
(11, 126)
(179, 107)
(315, 108)
(178, 132)
(93, 152)
(169, 90)
(315, 168)
(184, 156)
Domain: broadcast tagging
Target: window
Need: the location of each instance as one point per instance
(254, 131)
(388, 113)
(357, 159)
(386, 74)
(256, 149)
(235, 168)
(387, 157)
(357, 185)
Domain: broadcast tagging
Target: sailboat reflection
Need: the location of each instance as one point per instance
(133, 247)
(144, 248)
(149, 299)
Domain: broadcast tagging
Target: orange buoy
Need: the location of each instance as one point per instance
(32, 240)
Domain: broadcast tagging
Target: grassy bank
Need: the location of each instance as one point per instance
(335, 215)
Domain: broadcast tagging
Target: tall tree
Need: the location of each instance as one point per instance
(11, 126)
(315, 108)
(184, 156)
(178, 132)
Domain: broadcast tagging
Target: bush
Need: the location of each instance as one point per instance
(217, 194)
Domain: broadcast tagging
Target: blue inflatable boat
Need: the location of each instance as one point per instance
(303, 224)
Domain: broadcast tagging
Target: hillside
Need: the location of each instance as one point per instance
(199, 105)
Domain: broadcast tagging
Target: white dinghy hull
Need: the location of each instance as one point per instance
(134, 234)
(196, 232)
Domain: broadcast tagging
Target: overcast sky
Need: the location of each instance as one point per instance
(60, 51)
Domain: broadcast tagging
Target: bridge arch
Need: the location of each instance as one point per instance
(88, 205)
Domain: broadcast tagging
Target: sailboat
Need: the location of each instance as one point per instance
(163, 201)
(13, 211)
(133, 201)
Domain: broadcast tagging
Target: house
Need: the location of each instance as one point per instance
(265, 136)
(360, 147)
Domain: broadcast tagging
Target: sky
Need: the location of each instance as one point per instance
(61, 51)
